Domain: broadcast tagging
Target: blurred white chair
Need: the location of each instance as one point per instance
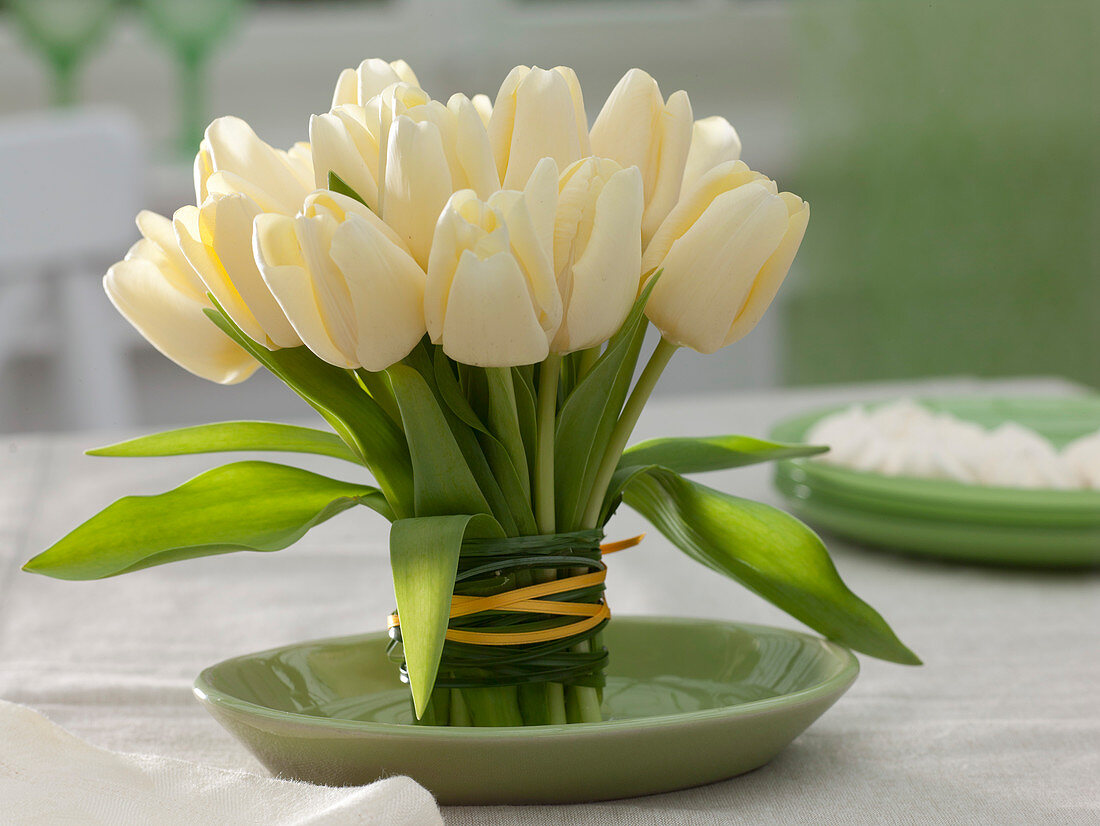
(70, 185)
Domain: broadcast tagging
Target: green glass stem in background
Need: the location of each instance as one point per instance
(64, 32)
(192, 29)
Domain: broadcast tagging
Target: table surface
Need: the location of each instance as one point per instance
(1001, 725)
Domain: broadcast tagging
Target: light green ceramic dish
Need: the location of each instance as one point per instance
(1006, 526)
(689, 702)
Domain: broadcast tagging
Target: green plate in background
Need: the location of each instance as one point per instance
(952, 520)
(688, 702)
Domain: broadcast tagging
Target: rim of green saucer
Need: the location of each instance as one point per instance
(847, 669)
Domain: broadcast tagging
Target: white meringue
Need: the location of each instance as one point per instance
(904, 438)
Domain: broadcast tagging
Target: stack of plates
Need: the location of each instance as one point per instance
(1011, 526)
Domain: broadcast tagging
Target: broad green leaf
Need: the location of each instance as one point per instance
(466, 437)
(334, 393)
(698, 454)
(516, 495)
(337, 184)
(378, 386)
(245, 506)
(230, 436)
(695, 455)
(588, 416)
(450, 392)
(424, 558)
(497, 477)
(442, 481)
(768, 551)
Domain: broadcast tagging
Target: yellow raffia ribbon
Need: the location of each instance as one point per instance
(527, 600)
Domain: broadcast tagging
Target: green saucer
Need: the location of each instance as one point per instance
(952, 520)
(688, 702)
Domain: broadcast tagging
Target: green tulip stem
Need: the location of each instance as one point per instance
(544, 456)
(624, 427)
(588, 358)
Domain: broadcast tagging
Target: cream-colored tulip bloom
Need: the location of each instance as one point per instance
(723, 252)
(155, 289)
(345, 281)
(232, 159)
(637, 127)
(357, 86)
(346, 141)
(538, 113)
(430, 151)
(484, 108)
(491, 299)
(713, 141)
(216, 238)
(597, 250)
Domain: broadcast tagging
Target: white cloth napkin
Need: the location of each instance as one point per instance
(49, 776)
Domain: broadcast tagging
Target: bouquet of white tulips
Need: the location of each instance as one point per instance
(462, 290)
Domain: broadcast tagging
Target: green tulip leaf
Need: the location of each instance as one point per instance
(378, 387)
(496, 485)
(338, 184)
(504, 423)
(525, 409)
(424, 558)
(334, 393)
(588, 416)
(450, 392)
(769, 552)
(699, 454)
(442, 481)
(232, 436)
(245, 506)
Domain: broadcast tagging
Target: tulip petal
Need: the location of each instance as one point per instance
(343, 142)
(473, 153)
(164, 251)
(709, 272)
(282, 264)
(625, 127)
(347, 89)
(174, 323)
(540, 195)
(532, 252)
(443, 259)
(185, 221)
(225, 227)
(503, 118)
(604, 276)
(375, 74)
(713, 141)
(484, 108)
(204, 168)
(773, 273)
(490, 321)
(235, 148)
(673, 139)
(341, 206)
(387, 293)
(544, 126)
(722, 178)
(418, 184)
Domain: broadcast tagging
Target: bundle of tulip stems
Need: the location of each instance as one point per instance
(462, 291)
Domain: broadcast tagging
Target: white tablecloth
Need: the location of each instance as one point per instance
(1002, 724)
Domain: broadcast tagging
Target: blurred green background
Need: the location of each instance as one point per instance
(950, 154)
